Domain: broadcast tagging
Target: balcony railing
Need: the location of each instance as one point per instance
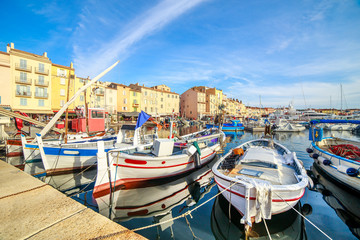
(41, 95)
(100, 92)
(42, 71)
(26, 81)
(135, 105)
(42, 83)
(22, 68)
(23, 93)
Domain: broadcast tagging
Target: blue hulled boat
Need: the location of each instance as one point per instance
(235, 125)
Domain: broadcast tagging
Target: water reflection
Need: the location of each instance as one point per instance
(157, 199)
(225, 224)
(346, 204)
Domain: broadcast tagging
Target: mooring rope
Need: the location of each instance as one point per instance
(169, 220)
(304, 217)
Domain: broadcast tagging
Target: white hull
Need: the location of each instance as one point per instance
(338, 164)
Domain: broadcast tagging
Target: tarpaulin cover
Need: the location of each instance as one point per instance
(142, 118)
(334, 121)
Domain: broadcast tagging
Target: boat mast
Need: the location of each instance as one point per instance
(67, 109)
(341, 97)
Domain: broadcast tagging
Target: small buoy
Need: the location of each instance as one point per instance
(306, 209)
(309, 150)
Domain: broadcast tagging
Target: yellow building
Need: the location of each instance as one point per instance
(135, 100)
(30, 78)
(123, 98)
(62, 80)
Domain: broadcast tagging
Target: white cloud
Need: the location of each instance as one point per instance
(93, 60)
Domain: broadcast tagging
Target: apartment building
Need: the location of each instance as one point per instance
(30, 77)
(135, 100)
(157, 100)
(123, 98)
(5, 79)
(193, 103)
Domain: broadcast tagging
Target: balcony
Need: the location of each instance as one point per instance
(42, 71)
(100, 92)
(135, 105)
(42, 83)
(23, 94)
(27, 81)
(41, 95)
(22, 68)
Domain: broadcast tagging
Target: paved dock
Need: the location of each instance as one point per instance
(31, 209)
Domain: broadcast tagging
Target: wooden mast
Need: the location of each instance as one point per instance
(86, 113)
(67, 110)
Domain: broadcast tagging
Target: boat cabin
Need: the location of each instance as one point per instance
(96, 120)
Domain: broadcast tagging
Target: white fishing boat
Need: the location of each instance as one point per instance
(339, 158)
(159, 160)
(155, 198)
(282, 125)
(260, 178)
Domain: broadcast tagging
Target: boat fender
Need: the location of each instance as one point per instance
(314, 155)
(309, 150)
(197, 160)
(352, 172)
(310, 183)
(327, 162)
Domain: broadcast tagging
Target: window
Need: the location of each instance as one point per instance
(41, 67)
(98, 99)
(97, 114)
(124, 108)
(145, 109)
(23, 90)
(62, 92)
(23, 101)
(23, 77)
(168, 95)
(23, 63)
(172, 96)
(125, 101)
(134, 94)
(110, 100)
(62, 73)
(190, 112)
(162, 99)
(41, 80)
(150, 94)
(145, 101)
(145, 93)
(81, 97)
(62, 103)
(40, 92)
(135, 102)
(162, 106)
(124, 92)
(41, 103)
(151, 109)
(62, 81)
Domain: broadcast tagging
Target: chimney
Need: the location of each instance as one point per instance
(71, 65)
(12, 45)
(45, 54)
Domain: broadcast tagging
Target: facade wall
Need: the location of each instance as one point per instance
(61, 77)
(135, 100)
(189, 106)
(123, 98)
(111, 98)
(97, 95)
(5, 79)
(31, 78)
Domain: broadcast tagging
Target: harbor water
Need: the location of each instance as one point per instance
(330, 208)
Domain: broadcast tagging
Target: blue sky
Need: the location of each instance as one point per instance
(284, 51)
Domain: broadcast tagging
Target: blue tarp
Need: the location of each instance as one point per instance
(254, 119)
(313, 122)
(142, 118)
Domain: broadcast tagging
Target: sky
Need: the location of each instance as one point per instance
(269, 52)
